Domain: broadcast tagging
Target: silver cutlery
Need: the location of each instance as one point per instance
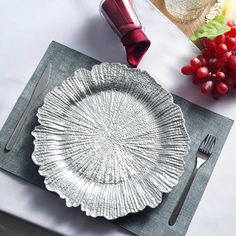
(204, 152)
(39, 88)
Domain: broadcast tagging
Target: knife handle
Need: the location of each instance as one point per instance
(19, 126)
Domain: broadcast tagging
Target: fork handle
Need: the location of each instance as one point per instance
(182, 198)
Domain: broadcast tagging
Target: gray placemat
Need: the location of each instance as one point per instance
(149, 222)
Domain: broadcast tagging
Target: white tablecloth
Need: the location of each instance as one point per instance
(27, 28)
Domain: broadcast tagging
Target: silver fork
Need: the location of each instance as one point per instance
(204, 152)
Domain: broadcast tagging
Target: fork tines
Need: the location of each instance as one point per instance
(208, 144)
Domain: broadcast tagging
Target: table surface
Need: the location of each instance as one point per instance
(27, 29)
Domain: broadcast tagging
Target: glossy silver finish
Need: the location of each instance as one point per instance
(40, 87)
(204, 152)
(111, 140)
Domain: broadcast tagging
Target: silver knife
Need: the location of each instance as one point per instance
(39, 88)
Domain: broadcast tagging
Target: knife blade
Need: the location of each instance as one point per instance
(39, 88)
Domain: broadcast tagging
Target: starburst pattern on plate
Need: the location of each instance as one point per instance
(111, 140)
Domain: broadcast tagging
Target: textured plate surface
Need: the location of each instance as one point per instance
(111, 140)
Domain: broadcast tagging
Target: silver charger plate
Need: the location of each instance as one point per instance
(110, 140)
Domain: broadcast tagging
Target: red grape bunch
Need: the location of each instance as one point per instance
(215, 69)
